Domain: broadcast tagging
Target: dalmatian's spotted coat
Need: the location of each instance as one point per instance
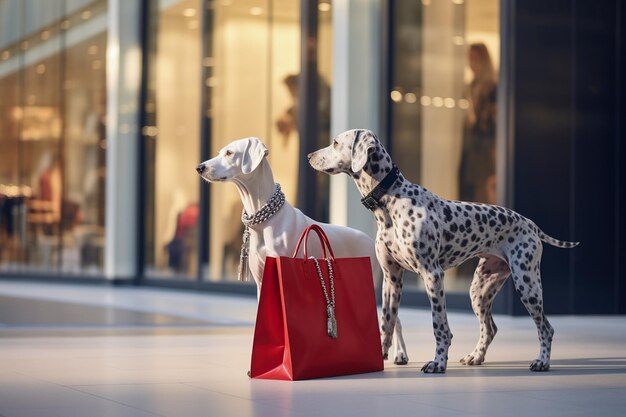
(421, 232)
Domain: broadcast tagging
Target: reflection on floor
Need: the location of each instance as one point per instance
(27, 312)
(70, 350)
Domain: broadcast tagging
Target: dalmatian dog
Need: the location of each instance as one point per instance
(421, 232)
(244, 163)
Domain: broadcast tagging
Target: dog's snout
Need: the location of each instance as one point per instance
(200, 168)
(309, 156)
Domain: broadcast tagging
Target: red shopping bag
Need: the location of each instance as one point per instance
(293, 336)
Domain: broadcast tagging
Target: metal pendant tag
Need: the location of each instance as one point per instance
(331, 322)
(331, 327)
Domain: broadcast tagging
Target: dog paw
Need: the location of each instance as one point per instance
(385, 356)
(433, 368)
(539, 366)
(401, 359)
(472, 359)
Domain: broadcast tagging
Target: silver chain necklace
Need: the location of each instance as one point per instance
(270, 208)
(331, 321)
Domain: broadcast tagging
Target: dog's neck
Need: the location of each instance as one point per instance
(256, 188)
(374, 172)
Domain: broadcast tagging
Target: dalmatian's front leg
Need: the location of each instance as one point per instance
(392, 291)
(433, 281)
(401, 357)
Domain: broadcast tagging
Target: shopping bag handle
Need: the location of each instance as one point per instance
(323, 240)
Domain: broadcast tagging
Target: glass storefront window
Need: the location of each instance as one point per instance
(443, 102)
(52, 75)
(217, 72)
(171, 138)
(254, 92)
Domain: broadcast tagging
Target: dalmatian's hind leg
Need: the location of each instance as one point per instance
(527, 280)
(489, 278)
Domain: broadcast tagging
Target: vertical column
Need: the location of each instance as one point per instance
(355, 95)
(308, 128)
(123, 93)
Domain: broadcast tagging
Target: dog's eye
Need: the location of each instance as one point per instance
(228, 153)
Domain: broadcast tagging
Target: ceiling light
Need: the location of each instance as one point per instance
(190, 12)
(45, 35)
(40, 69)
(324, 7)
(6, 55)
(396, 96)
(17, 113)
(86, 15)
(92, 50)
(458, 40)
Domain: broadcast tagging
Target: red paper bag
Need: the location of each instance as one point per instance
(291, 336)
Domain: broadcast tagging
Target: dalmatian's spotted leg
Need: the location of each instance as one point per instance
(392, 291)
(489, 278)
(401, 357)
(433, 281)
(527, 280)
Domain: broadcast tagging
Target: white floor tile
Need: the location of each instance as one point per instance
(179, 400)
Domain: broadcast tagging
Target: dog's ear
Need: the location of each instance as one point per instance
(253, 155)
(363, 142)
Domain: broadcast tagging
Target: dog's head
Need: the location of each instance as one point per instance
(238, 158)
(349, 153)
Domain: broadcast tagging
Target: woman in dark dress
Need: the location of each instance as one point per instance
(477, 173)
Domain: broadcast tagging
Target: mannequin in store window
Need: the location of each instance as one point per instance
(182, 244)
(50, 209)
(50, 190)
(477, 173)
(287, 122)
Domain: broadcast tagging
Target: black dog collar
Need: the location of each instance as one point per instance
(372, 199)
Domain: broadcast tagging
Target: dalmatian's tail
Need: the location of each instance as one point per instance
(555, 242)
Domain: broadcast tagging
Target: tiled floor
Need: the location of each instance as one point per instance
(90, 351)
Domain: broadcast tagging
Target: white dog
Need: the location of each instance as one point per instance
(244, 163)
